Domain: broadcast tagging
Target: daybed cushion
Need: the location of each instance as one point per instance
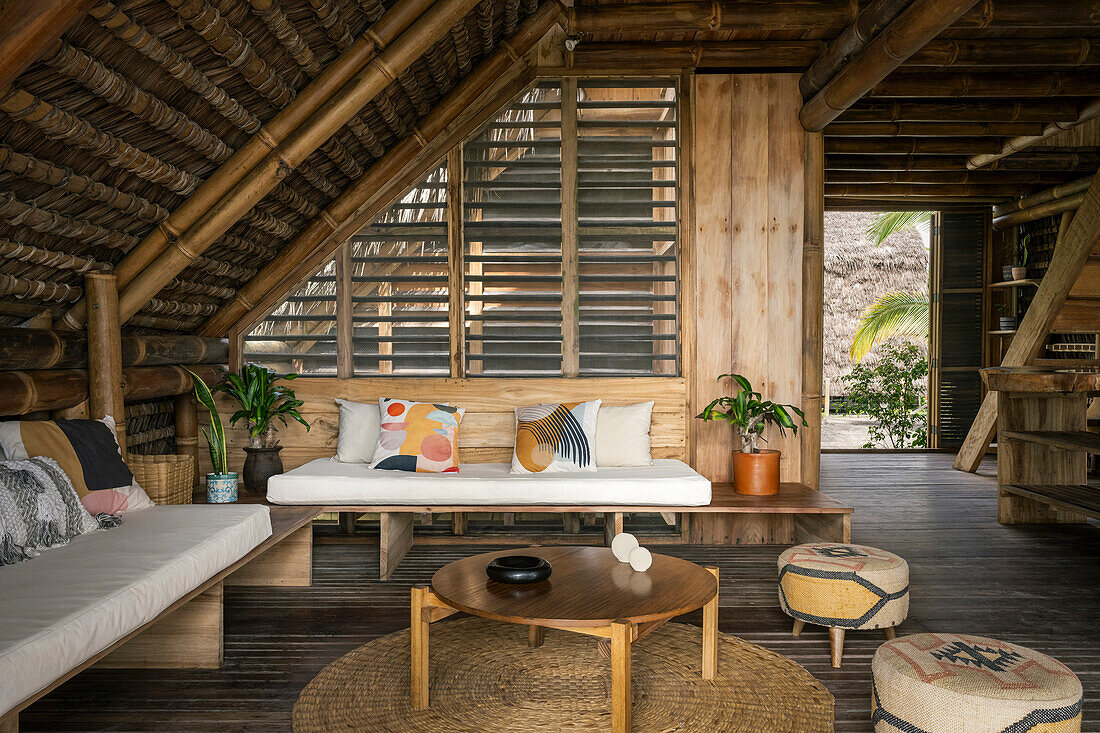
(72, 602)
(326, 481)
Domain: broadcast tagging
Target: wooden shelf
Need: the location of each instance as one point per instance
(1080, 499)
(1016, 284)
(1081, 440)
(1000, 333)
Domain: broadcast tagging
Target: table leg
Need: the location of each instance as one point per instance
(535, 635)
(419, 648)
(621, 633)
(710, 632)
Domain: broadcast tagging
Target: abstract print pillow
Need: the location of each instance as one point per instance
(556, 438)
(417, 436)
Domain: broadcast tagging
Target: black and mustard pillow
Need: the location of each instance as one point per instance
(87, 451)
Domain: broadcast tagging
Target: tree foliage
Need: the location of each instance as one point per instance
(901, 313)
(892, 392)
(886, 223)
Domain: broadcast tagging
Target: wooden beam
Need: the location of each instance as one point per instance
(1070, 255)
(716, 54)
(1040, 211)
(930, 190)
(909, 145)
(190, 637)
(1089, 112)
(932, 129)
(915, 26)
(570, 247)
(456, 267)
(853, 39)
(1007, 84)
(345, 322)
(185, 411)
(1046, 162)
(1057, 192)
(939, 177)
(825, 16)
(28, 28)
(1006, 52)
(395, 538)
(454, 117)
(105, 387)
(813, 308)
(960, 110)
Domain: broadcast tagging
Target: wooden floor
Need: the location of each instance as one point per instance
(1036, 586)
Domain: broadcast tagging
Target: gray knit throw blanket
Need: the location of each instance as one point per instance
(39, 508)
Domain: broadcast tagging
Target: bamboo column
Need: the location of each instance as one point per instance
(456, 264)
(105, 386)
(915, 26)
(345, 322)
(813, 307)
(187, 430)
(570, 256)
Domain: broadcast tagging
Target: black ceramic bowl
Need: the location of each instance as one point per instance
(518, 569)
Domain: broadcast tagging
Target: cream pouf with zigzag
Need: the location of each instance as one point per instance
(956, 683)
(843, 587)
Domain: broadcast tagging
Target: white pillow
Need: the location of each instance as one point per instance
(622, 435)
(359, 428)
(556, 438)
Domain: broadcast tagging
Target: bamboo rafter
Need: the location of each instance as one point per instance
(286, 34)
(54, 292)
(41, 171)
(335, 28)
(20, 213)
(57, 124)
(189, 287)
(48, 258)
(157, 306)
(485, 26)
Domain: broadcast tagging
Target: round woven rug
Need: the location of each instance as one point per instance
(485, 678)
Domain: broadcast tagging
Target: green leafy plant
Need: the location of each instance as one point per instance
(892, 392)
(888, 222)
(1023, 250)
(749, 413)
(215, 436)
(902, 313)
(262, 400)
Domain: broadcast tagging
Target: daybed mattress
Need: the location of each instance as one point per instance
(72, 602)
(327, 481)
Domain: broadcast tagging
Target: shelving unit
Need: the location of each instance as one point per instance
(1043, 444)
(1030, 282)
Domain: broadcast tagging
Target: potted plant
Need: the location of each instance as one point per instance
(1006, 261)
(1007, 322)
(262, 401)
(1019, 272)
(221, 485)
(755, 471)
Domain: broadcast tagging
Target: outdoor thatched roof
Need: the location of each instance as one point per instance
(856, 273)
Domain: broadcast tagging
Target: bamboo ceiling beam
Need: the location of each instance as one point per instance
(40, 348)
(955, 176)
(826, 16)
(915, 26)
(960, 110)
(911, 145)
(268, 138)
(887, 203)
(1040, 211)
(1035, 162)
(298, 144)
(29, 27)
(1069, 256)
(718, 54)
(932, 129)
(923, 190)
(961, 84)
(385, 179)
(1056, 192)
(1028, 14)
(1006, 52)
(1090, 112)
(853, 39)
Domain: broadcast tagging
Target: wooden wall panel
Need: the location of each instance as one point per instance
(749, 174)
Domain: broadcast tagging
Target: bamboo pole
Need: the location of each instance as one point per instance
(298, 144)
(931, 129)
(29, 27)
(1056, 192)
(910, 145)
(364, 191)
(717, 54)
(915, 26)
(456, 262)
(958, 177)
(1006, 84)
(1036, 162)
(105, 353)
(813, 308)
(1040, 211)
(22, 287)
(187, 430)
(1006, 52)
(927, 190)
(1090, 112)
(825, 16)
(265, 144)
(960, 110)
(41, 348)
(853, 39)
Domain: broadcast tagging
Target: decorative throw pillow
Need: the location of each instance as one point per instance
(417, 436)
(622, 435)
(359, 428)
(87, 451)
(556, 438)
(38, 508)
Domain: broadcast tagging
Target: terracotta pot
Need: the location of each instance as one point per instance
(1019, 273)
(260, 465)
(756, 474)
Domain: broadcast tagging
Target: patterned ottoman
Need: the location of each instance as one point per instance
(952, 683)
(843, 587)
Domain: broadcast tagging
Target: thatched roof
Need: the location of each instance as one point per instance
(856, 273)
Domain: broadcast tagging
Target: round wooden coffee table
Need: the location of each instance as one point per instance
(588, 592)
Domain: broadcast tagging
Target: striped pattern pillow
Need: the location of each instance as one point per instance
(556, 438)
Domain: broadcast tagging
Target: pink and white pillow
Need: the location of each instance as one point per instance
(417, 436)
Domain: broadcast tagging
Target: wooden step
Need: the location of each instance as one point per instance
(1081, 499)
(1080, 440)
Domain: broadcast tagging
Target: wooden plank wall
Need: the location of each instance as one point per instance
(749, 190)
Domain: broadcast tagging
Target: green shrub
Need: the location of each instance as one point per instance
(892, 392)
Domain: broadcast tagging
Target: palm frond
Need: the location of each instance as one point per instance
(892, 314)
(888, 222)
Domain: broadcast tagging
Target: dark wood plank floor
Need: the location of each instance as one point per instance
(1037, 586)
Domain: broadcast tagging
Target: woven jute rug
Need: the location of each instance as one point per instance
(485, 678)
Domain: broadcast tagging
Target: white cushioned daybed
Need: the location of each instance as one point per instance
(72, 602)
(326, 481)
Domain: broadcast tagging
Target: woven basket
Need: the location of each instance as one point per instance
(166, 479)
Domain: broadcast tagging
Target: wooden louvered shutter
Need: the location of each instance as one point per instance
(957, 334)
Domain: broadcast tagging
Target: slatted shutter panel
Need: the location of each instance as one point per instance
(958, 278)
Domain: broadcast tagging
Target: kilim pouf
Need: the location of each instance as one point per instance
(953, 683)
(843, 587)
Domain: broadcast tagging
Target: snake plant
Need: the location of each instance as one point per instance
(215, 436)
